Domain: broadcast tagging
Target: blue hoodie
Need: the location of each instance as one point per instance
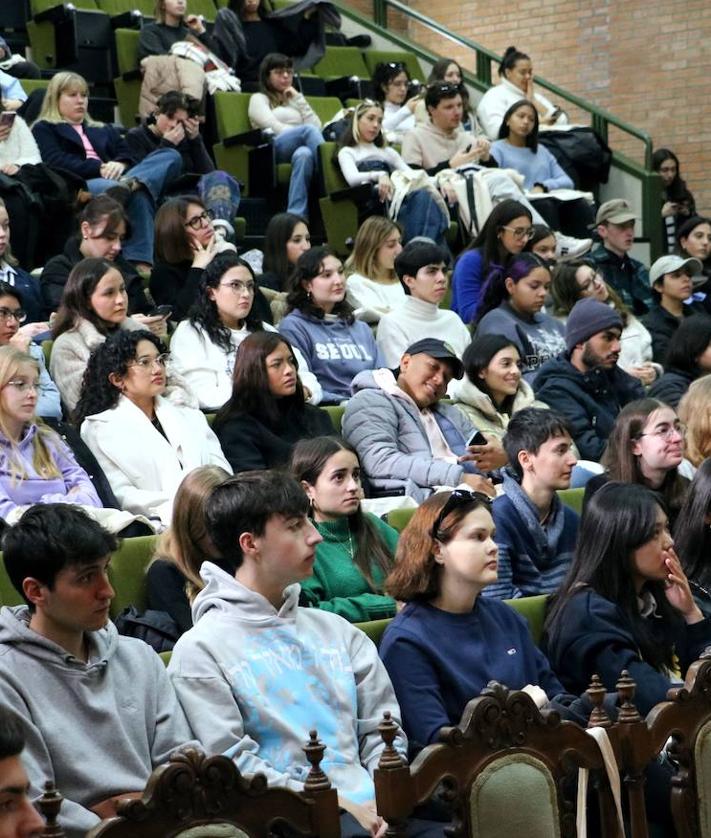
(335, 350)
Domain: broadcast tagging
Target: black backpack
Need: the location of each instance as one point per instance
(156, 628)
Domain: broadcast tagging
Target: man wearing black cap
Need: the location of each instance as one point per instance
(408, 441)
(587, 386)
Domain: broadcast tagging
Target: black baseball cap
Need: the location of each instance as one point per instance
(437, 349)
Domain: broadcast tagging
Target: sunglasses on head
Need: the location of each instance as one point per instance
(458, 498)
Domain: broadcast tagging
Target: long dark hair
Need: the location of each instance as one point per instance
(692, 535)
(495, 292)
(505, 130)
(439, 68)
(273, 61)
(565, 290)
(677, 190)
(383, 74)
(112, 356)
(308, 266)
(250, 383)
(621, 464)
(509, 59)
(688, 342)
(619, 519)
(477, 357)
(172, 242)
(204, 311)
(278, 232)
(76, 299)
(307, 462)
(493, 253)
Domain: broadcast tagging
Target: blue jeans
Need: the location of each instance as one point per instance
(421, 215)
(299, 145)
(155, 172)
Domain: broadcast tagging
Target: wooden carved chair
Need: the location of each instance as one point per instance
(507, 769)
(195, 796)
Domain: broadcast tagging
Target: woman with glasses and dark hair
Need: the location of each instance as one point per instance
(646, 446)
(357, 550)
(516, 82)
(512, 305)
(448, 642)
(280, 108)
(204, 346)
(365, 158)
(580, 278)
(145, 444)
(391, 80)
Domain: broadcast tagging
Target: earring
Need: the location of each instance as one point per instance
(309, 296)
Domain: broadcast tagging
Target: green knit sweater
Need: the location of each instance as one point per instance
(338, 585)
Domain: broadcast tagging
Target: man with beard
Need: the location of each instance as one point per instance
(587, 386)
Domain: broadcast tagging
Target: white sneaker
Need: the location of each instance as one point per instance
(566, 247)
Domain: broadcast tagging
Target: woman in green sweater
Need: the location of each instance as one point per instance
(357, 550)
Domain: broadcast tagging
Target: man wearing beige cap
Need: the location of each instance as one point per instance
(615, 225)
(673, 280)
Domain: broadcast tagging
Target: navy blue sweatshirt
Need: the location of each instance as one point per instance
(593, 635)
(439, 661)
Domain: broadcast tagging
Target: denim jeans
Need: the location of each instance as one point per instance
(421, 215)
(155, 172)
(299, 145)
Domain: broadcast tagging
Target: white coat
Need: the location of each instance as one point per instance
(142, 466)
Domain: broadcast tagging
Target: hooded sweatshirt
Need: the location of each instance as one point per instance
(336, 351)
(481, 411)
(533, 556)
(96, 729)
(253, 680)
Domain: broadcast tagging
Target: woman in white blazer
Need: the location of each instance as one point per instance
(145, 444)
(203, 347)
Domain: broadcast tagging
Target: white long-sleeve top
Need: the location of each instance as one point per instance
(296, 112)
(397, 121)
(498, 99)
(20, 147)
(350, 156)
(372, 299)
(207, 368)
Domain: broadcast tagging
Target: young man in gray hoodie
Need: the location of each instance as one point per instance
(18, 817)
(98, 710)
(256, 672)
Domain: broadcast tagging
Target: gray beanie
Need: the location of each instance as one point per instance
(587, 318)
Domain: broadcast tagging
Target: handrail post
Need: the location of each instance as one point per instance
(483, 67)
(380, 13)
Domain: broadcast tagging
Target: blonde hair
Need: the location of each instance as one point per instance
(186, 543)
(695, 412)
(371, 236)
(43, 462)
(62, 83)
(159, 11)
(7, 256)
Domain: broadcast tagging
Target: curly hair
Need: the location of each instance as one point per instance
(204, 311)
(309, 266)
(383, 75)
(113, 356)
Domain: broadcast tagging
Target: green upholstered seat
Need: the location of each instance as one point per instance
(232, 119)
(47, 350)
(127, 49)
(119, 7)
(341, 61)
(374, 629)
(325, 107)
(8, 594)
(514, 795)
(335, 414)
(127, 573)
(128, 90)
(30, 85)
(165, 657)
(573, 498)
(340, 218)
(400, 518)
(533, 608)
(373, 57)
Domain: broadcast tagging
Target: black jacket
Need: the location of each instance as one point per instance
(56, 273)
(671, 386)
(141, 141)
(589, 401)
(661, 325)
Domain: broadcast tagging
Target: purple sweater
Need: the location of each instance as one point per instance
(74, 485)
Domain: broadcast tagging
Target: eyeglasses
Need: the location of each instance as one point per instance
(283, 71)
(13, 314)
(146, 362)
(23, 386)
(520, 232)
(459, 497)
(238, 286)
(199, 221)
(667, 432)
(594, 280)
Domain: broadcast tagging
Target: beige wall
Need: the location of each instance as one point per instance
(648, 63)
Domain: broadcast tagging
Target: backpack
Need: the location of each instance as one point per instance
(156, 628)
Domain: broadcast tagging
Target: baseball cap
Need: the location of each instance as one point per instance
(670, 263)
(437, 349)
(617, 211)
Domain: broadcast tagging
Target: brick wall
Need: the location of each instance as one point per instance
(647, 63)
